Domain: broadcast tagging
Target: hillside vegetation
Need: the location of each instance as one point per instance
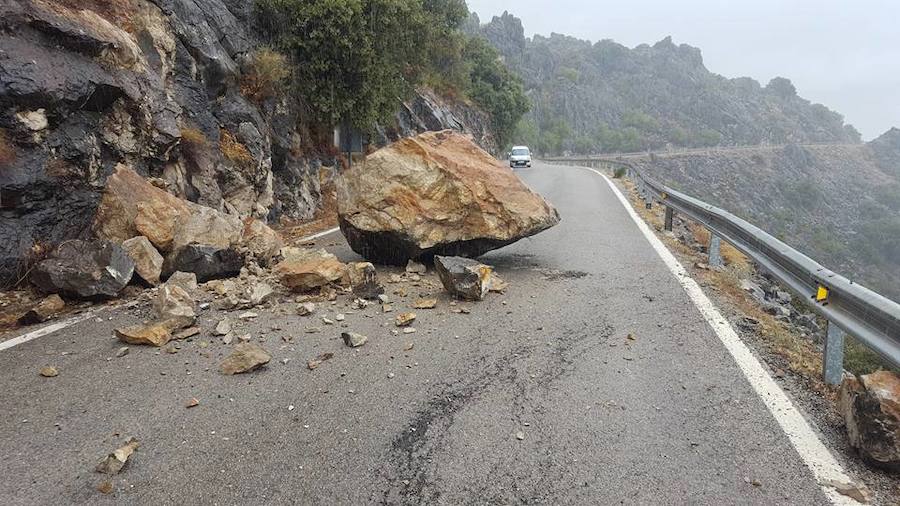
(604, 97)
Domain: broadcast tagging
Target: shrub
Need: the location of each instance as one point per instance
(7, 152)
(193, 137)
(619, 173)
(234, 150)
(266, 72)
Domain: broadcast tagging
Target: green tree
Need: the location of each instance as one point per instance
(495, 89)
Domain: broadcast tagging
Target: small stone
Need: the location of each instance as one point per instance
(387, 308)
(340, 317)
(425, 304)
(390, 375)
(306, 308)
(49, 372)
(354, 340)
(316, 362)
(43, 311)
(520, 435)
(122, 351)
(223, 328)
(246, 357)
(384, 299)
(857, 492)
(246, 338)
(249, 315)
(409, 330)
(192, 403)
(327, 321)
(404, 319)
(228, 339)
(115, 461)
(186, 333)
(414, 267)
(105, 487)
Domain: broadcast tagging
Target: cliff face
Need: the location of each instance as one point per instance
(614, 98)
(838, 204)
(159, 85)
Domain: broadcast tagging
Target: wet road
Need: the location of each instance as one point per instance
(425, 418)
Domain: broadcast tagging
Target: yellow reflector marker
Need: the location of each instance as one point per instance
(822, 294)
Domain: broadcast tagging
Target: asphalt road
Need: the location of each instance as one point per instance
(666, 417)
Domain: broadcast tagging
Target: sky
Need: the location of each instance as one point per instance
(841, 53)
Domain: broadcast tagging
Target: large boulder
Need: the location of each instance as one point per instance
(870, 406)
(98, 269)
(147, 261)
(207, 262)
(436, 194)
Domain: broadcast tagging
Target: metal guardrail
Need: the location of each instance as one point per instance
(849, 307)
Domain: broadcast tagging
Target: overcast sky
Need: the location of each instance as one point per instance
(842, 53)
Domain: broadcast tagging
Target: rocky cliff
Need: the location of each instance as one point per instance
(839, 204)
(160, 86)
(592, 97)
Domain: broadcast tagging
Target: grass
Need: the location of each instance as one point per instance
(193, 137)
(266, 72)
(234, 150)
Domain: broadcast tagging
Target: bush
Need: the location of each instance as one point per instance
(265, 74)
(234, 150)
(619, 173)
(193, 137)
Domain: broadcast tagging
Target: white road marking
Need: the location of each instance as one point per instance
(60, 325)
(815, 455)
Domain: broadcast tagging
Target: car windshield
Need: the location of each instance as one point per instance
(520, 151)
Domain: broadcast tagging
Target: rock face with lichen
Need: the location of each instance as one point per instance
(870, 405)
(436, 194)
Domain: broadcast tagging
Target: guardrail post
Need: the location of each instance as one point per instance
(714, 250)
(833, 363)
(670, 215)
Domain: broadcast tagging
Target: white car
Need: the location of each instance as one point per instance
(520, 156)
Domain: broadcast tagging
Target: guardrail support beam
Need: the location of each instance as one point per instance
(715, 250)
(670, 215)
(833, 363)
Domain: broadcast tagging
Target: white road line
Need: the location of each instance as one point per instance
(815, 455)
(60, 325)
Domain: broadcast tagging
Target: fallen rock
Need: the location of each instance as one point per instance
(364, 280)
(187, 281)
(260, 293)
(404, 319)
(497, 284)
(870, 406)
(316, 362)
(261, 242)
(207, 262)
(121, 352)
(115, 461)
(153, 334)
(49, 372)
(306, 309)
(147, 261)
(353, 340)
(44, 310)
(174, 304)
(436, 194)
(858, 492)
(246, 357)
(313, 270)
(98, 269)
(414, 267)
(425, 304)
(223, 328)
(464, 278)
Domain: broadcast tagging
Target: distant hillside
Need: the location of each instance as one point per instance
(605, 97)
(839, 204)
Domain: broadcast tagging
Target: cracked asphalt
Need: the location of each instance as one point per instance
(433, 417)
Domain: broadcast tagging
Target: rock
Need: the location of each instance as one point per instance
(153, 334)
(207, 262)
(192, 403)
(464, 278)
(316, 362)
(246, 357)
(147, 261)
(187, 281)
(98, 269)
(249, 315)
(425, 304)
(414, 267)
(49, 372)
(223, 328)
(364, 280)
(776, 310)
(260, 294)
(121, 352)
(312, 270)
(870, 406)
(306, 309)
(409, 330)
(47, 308)
(520, 435)
(404, 319)
(859, 493)
(340, 317)
(115, 461)
(174, 304)
(497, 284)
(261, 242)
(384, 299)
(753, 289)
(186, 333)
(33, 120)
(353, 340)
(809, 322)
(437, 193)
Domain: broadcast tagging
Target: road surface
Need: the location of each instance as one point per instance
(537, 397)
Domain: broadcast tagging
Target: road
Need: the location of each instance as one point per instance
(665, 417)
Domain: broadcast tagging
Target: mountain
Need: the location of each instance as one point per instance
(604, 97)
